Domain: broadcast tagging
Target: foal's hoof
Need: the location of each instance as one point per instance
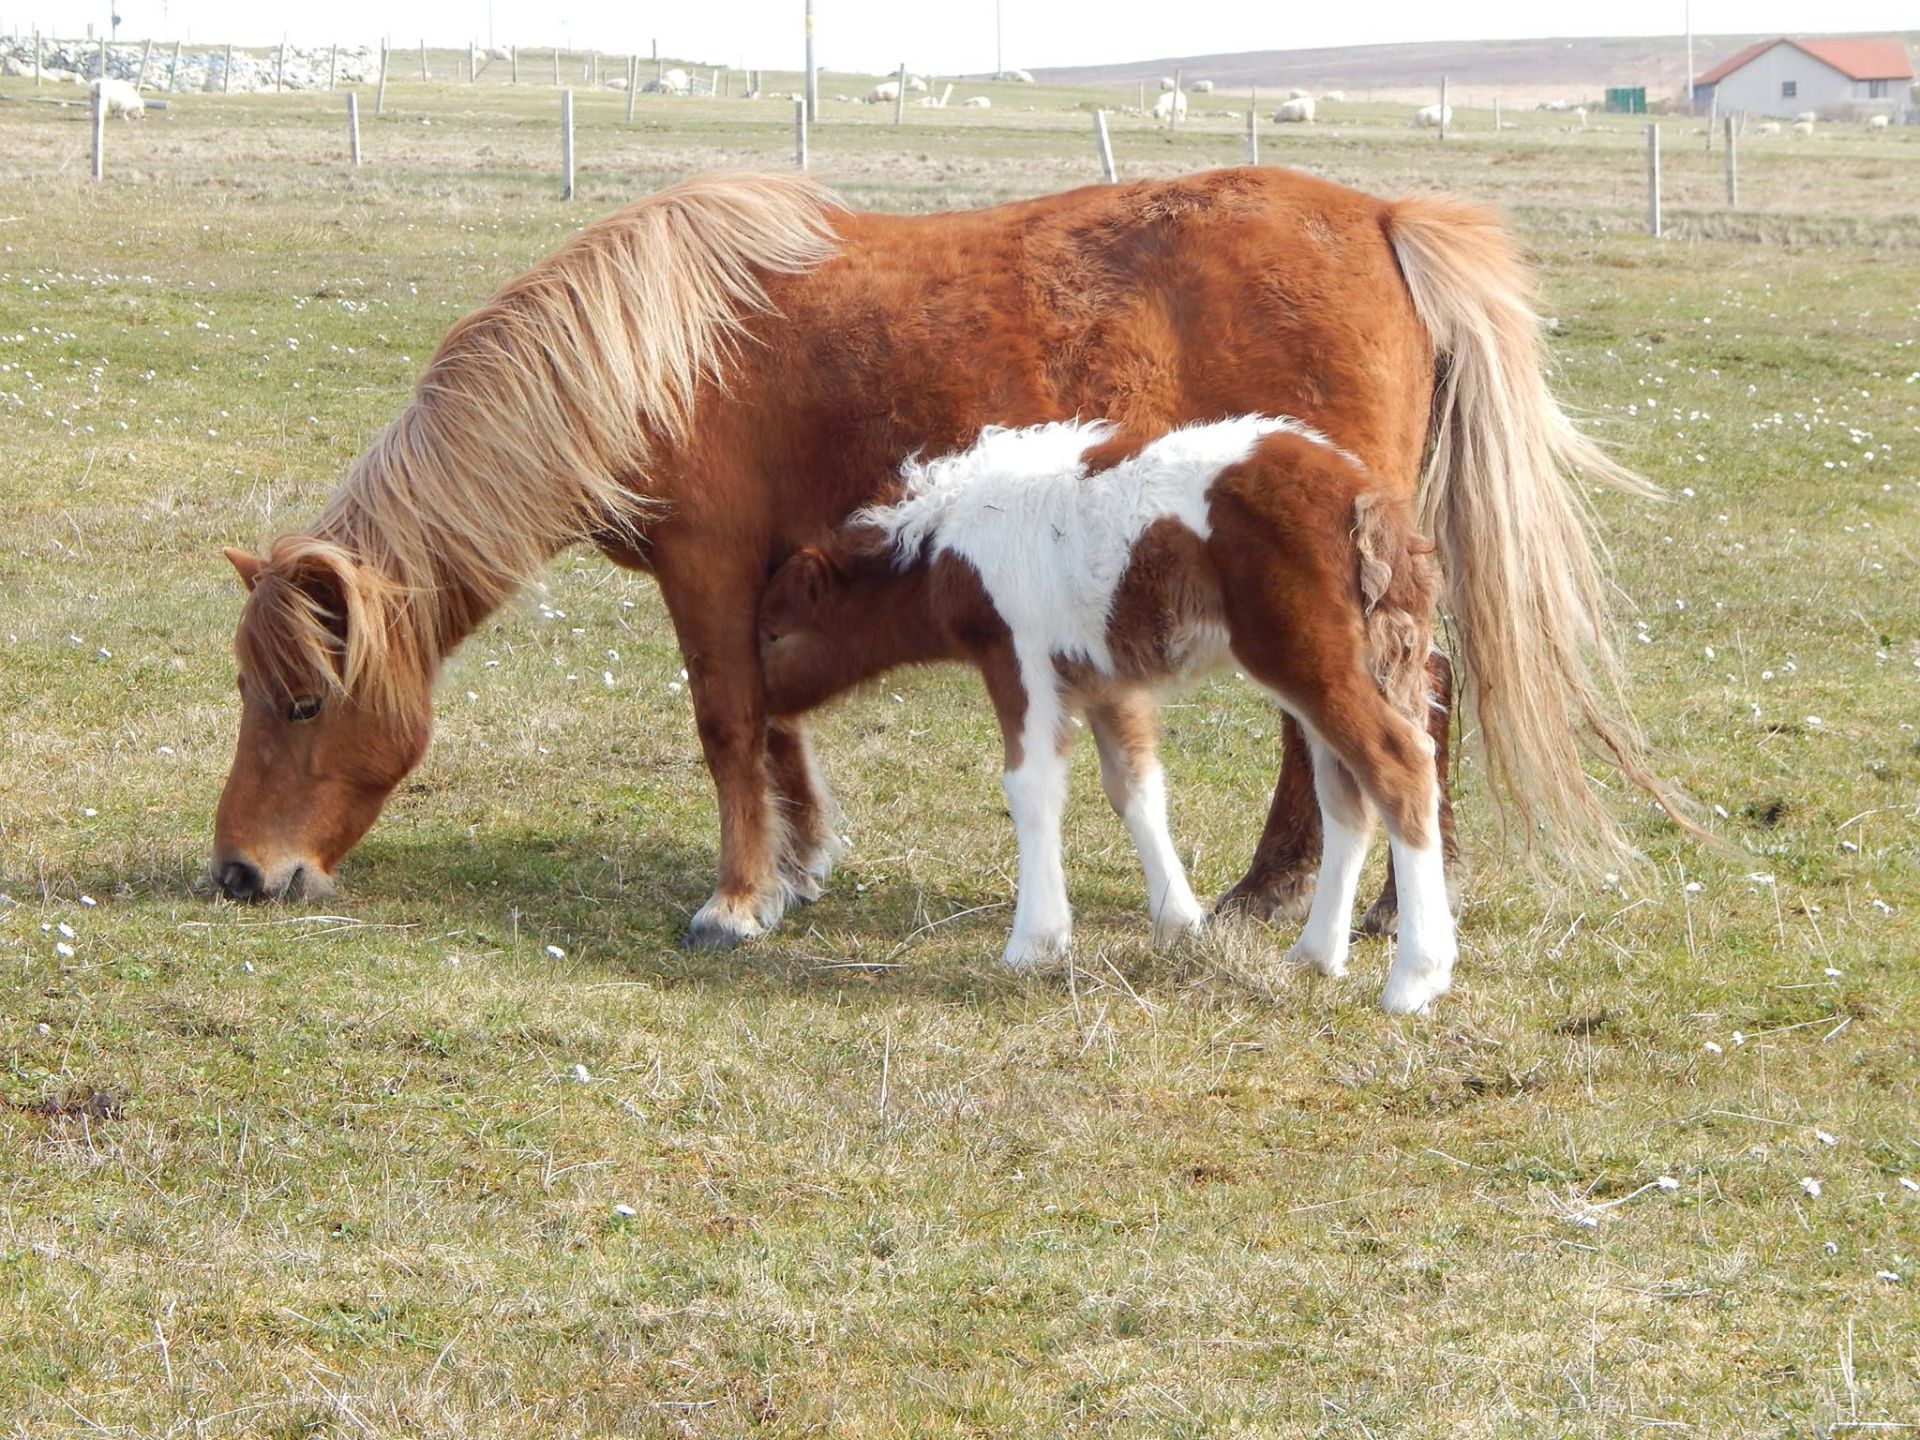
(1333, 966)
(1412, 992)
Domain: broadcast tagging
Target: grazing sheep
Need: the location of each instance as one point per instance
(1166, 82)
(1803, 127)
(673, 82)
(1020, 77)
(1431, 117)
(883, 93)
(119, 97)
(1772, 127)
(499, 52)
(1295, 112)
(1806, 117)
(1554, 105)
(1174, 104)
(1878, 122)
(1203, 87)
(976, 102)
(1337, 96)
(1298, 94)
(915, 85)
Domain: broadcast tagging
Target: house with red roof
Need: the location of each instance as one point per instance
(1835, 78)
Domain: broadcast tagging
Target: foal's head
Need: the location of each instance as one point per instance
(334, 713)
(835, 615)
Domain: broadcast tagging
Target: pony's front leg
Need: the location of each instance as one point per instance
(1035, 780)
(811, 847)
(712, 604)
(1124, 730)
(1346, 824)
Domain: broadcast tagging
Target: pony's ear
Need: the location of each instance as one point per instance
(814, 573)
(248, 565)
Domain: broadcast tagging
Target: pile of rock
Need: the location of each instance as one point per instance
(76, 62)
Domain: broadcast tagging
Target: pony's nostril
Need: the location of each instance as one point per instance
(240, 880)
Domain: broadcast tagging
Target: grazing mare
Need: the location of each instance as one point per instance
(1078, 576)
(709, 378)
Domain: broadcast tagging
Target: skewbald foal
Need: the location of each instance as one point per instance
(1082, 570)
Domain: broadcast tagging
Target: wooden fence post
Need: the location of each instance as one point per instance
(726, 80)
(140, 75)
(900, 97)
(566, 144)
(1105, 147)
(556, 67)
(103, 57)
(1713, 118)
(1173, 110)
(353, 128)
(100, 133)
(333, 67)
(1733, 167)
(280, 71)
(1653, 181)
(800, 134)
(380, 95)
(513, 59)
(1253, 130)
(173, 70)
(473, 62)
(36, 60)
(423, 60)
(633, 83)
(811, 89)
(1443, 107)
(1496, 114)
(226, 72)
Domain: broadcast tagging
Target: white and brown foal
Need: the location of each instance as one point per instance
(1080, 569)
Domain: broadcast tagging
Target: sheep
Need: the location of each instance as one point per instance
(915, 85)
(1430, 117)
(1772, 127)
(1878, 122)
(1806, 117)
(1298, 94)
(976, 102)
(1020, 77)
(1298, 111)
(119, 97)
(1166, 82)
(1803, 127)
(885, 92)
(1203, 87)
(1338, 97)
(673, 82)
(498, 52)
(1174, 104)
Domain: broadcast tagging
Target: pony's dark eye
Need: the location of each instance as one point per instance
(304, 708)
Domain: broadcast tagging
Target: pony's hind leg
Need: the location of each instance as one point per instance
(1026, 698)
(1346, 827)
(1124, 730)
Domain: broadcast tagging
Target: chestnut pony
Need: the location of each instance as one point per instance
(1079, 570)
(705, 380)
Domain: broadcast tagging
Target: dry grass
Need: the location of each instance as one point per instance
(291, 1173)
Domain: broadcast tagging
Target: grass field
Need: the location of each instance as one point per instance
(356, 1170)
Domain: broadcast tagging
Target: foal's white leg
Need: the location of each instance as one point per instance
(1036, 791)
(1136, 787)
(1423, 960)
(1346, 826)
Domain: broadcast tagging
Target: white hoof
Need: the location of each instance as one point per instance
(1171, 925)
(1411, 989)
(1025, 954)
(725, 922)
(1332, 964)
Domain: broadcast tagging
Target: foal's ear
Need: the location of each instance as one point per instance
(248, 565)
(813, 572)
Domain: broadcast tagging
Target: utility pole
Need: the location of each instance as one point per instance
(812, 87)
(1688, 6)
(999, 50)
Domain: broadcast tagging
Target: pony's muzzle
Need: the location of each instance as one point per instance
(241, 880)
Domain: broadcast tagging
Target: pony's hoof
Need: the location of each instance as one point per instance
(1171, 927)
(1333, 966)
(1272, 898)
(724, 923)
(1412, 992)
(1037, 952)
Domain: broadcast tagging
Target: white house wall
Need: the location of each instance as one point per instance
(1755, 86)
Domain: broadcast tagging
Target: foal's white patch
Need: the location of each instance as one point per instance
(1052, 543)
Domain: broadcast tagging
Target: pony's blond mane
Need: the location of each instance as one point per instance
(531, 429)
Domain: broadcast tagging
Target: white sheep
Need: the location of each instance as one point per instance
(119, 97)
(1772, 127)
(1298, 94)
(885, 92)
(1336, 96)
(1203, 87)
(1803, 127)
(1174, 103)
(1431, 117)
(1295, 112)
(976, 102)
(915, 85)
(1020, 77)
(1806, 117)
(1878, 122)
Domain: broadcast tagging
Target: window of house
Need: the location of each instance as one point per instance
(1789, 88)
(1876, 89)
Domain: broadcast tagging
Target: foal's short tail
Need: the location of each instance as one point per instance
(1502, 496)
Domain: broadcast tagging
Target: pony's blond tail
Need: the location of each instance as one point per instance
(1502, 497)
